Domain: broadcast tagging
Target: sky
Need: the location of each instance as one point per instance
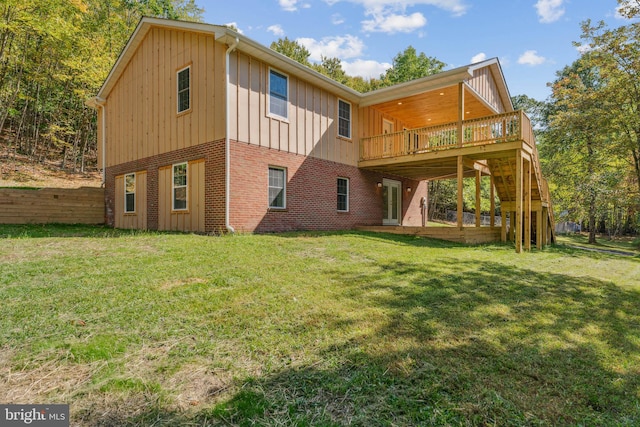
(531, 38)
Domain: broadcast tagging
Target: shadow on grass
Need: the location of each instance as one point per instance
(457, 343)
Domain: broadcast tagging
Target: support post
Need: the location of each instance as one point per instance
(503, 227)
(545, 225)
(460, 113)
(460, 176)
(512, 225)
(518, 224)
(539, 235)
(527, 205)
(492, 195)
(478, 205)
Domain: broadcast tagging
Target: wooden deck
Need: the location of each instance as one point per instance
(467, 235)
(502, 146)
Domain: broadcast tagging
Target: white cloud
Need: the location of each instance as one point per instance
(337, 19)
(583, 48)
(365, 69)
(457, 7)
(549, 10)
(288, 5)
(384, 22)
(343, 47)
(276, 30)
(478, 58)
(532, 58)
(234, 25)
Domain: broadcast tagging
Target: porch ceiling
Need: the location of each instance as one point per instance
(435, 107)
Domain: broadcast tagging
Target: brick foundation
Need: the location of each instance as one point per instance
(211, 152)
(311, 196)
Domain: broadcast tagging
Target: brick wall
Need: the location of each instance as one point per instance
(311, 196)
(211, 152)
(311, 190)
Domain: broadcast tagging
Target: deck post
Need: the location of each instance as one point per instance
(545, 225)
(518, 222)
(539, 233)
(527, 205)
(492, 196)
(478, 205)
(460, 113)
(460, 176)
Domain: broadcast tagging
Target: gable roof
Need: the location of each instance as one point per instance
(229, 36)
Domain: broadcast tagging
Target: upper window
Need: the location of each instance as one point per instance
(343, 194)
(344, 119)
(184, 92)
(130, 193)
(278, 94)
(180, 187)
(277, 187)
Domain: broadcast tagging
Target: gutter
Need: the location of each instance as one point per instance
(227, 143)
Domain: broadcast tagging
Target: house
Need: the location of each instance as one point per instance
(203, 129)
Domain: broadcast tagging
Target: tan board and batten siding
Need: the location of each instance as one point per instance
(142, 105)
(484, 83)
(312, 126)
(192, 219)
(138, 219)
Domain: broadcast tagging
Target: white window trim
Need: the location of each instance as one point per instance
(134, 193)
(173, 187)
(350, 118)
(348, 192)
(178, 89)
(275, 115)
(284, 188)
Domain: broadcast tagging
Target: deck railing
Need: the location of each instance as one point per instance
(514, 126)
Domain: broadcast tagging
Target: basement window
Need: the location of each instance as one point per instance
(343, 195)
(130, 193)
(277, 188)
(180, 187)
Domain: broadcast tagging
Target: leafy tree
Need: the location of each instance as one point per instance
(629, 8)
(577, 145)
(293, 50)
(408, 65)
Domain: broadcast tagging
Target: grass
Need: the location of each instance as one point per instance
(624, 245)
(322, 329)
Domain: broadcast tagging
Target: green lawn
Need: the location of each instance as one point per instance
(139, 329)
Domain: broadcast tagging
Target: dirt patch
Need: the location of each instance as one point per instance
(38, 380)
(16, 171)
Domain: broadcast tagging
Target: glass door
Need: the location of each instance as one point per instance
(391, 202)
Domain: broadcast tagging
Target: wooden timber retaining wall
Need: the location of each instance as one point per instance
(468, 235)
(52, 205)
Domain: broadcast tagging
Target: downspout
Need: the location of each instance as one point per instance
(227, 148)
(100, 102)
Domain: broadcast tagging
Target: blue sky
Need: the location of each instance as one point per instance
(532, 38)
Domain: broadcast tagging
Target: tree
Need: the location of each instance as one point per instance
(616, 52)
(577, 144)
(629, 8)
(292, 49)
(408, 65)
(54, 54)
(332, 68)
